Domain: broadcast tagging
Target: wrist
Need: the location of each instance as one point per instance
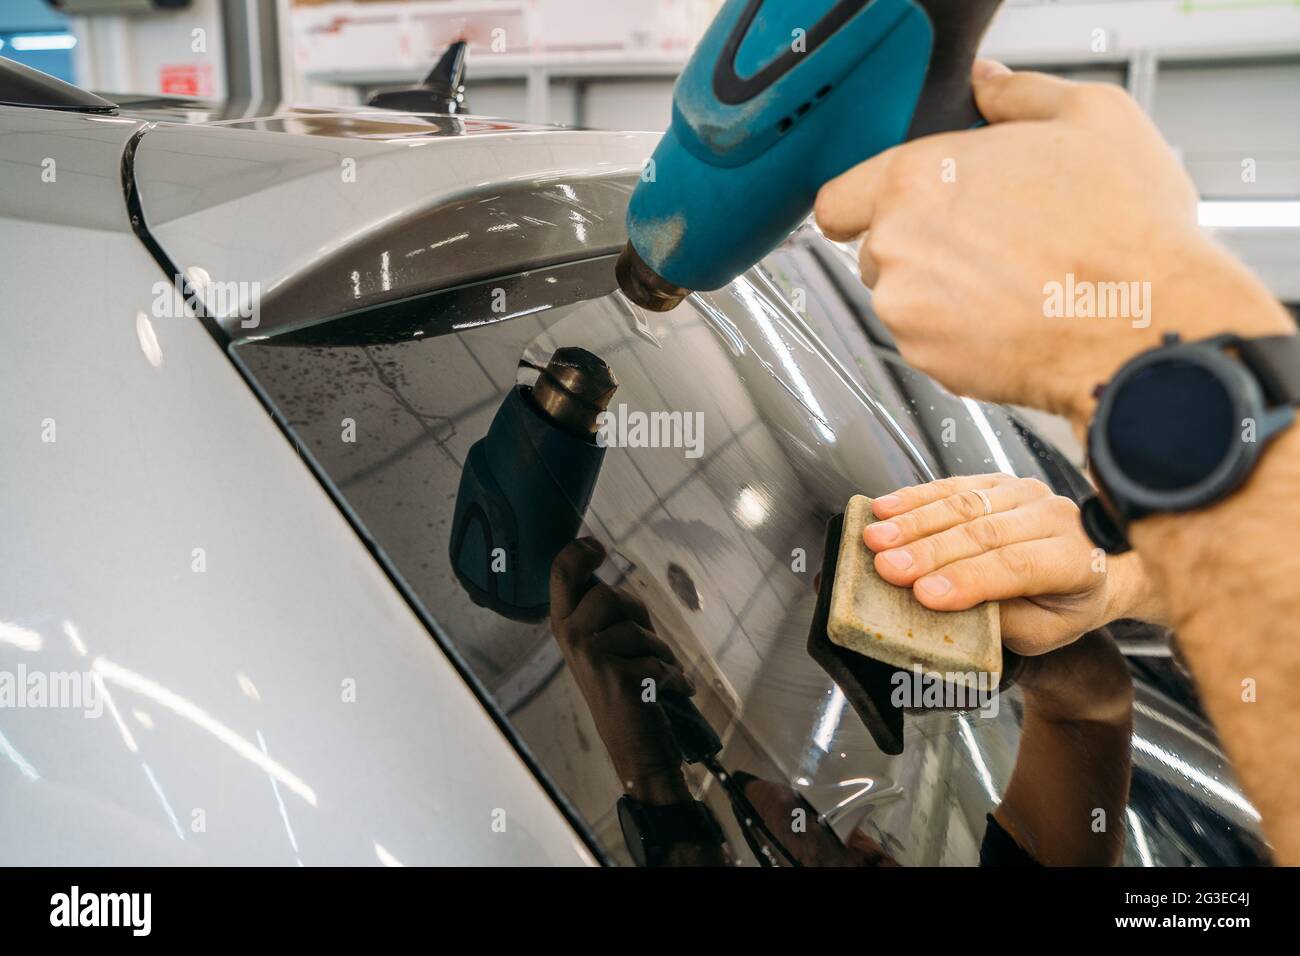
(1223, 551)
(659, 788)
(1198, 290)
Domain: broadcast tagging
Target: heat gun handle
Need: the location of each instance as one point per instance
(947, 101)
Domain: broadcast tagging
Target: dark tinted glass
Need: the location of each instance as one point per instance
(423, 417)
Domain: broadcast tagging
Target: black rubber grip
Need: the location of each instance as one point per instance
(947, 101)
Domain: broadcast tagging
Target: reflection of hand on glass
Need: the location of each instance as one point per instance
(611, 651)
(1065, 802)
(625, 673)
(961, 541)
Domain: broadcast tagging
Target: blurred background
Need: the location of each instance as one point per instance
(1221, 78)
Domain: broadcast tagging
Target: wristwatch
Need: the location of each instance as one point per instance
(651, 831)
(1181, 426)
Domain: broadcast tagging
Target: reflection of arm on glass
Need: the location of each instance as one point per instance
(1065, 802)
(628, 675)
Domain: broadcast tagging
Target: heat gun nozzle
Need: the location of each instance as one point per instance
(644, 286)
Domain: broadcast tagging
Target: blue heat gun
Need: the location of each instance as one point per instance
(779, 97)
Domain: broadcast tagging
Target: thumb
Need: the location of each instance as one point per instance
(571, 575)
(1004, 96)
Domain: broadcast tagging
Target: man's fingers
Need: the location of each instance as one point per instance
(984, 69)
(571, 573)
(1008, 97)
(845, 205)
(914, 496)
(1046, 566)
(966, 504)
(600, 608)
(903, 566)
(628, 639)
(868, 267)
(667, 677)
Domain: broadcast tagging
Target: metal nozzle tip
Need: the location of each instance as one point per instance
(644, 286)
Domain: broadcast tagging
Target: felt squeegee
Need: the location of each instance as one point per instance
(885, 622)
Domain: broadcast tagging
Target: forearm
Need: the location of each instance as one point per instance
(1231, 575)
(1066, 771)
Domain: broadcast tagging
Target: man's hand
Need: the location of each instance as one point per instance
(1070, 185)
(1029, 552)
(970, 234)
(611, 651)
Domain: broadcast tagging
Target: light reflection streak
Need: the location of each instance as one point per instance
(1186, 770)
(275, 789)
(1139, 837)
(982, 425)
(828, 721)
(19, 761)
(760, 312)
(162, 797)
(977, 758)
(178, 705)
(23, 638)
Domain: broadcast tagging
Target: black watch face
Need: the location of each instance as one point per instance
(1171, 425)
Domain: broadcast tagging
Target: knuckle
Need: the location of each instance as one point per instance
(1034, 487)
(601, 593)
(619, 629)
(906, 524)
(875, 244)
(985, 534)
(562, 571)
(826, 206)
(1063, 507)
(1098, 96)
(925, 554)
(885, 298)
(1019, 563)
(967, 504)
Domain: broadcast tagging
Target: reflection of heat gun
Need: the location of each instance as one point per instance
(523, 494)
(526, 485)
(779, 97)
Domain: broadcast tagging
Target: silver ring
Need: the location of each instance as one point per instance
(988, 505)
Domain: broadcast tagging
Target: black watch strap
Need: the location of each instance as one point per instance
(1275, 360)
(682, 823)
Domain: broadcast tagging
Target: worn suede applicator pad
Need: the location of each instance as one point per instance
(885, 622)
